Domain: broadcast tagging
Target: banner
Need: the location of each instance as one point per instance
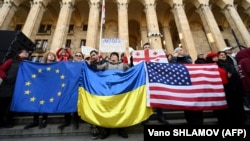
(112, 45)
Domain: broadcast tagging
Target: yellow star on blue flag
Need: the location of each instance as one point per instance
(47, 87)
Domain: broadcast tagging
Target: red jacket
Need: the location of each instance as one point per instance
(4, 68)
(65, 57)
(223, 75)
(125, 60)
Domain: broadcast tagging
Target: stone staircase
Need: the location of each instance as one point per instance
(173, 117)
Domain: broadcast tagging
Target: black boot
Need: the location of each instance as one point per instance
(31, 125)
(62, 126)
(76, 125)
(105, 132)
(122, 132)
(95, 132)
(43, 124)
(161, 119)
(67, 122)
(76, 120)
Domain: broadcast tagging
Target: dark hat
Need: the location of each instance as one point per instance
(114, 53)
(211, 55)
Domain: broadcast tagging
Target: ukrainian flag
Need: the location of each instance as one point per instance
(113, 98)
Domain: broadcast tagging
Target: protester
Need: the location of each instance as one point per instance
(113, 64)
(243, 59)
(8, 72)
(231, 56)
(235, 91)
(159, 111)
(79, 57)
(222, 115)
(192, 117)
(200, 59)
(124, 58)
(48, 57)
(63, 54)
(94, 61)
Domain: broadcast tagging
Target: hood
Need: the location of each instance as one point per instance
(245, 53)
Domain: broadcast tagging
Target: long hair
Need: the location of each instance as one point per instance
(45, 57)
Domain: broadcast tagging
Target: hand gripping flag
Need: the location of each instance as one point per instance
(47, 87)
(113, 98)
(185, 86)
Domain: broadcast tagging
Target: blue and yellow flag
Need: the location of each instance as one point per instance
(47, 87)
(113, 98)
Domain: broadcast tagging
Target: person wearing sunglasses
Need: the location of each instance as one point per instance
(79, 57)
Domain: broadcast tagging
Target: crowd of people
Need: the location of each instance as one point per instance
(234, 70)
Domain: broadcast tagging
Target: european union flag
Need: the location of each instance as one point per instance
(47, 87)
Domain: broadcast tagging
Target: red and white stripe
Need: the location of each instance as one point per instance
(205, 93)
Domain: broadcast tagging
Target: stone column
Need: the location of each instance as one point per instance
(123, 22)
(247, 11)
(246, 5)
(67, 6)
(213, 33)
(144, 37)
(183, 28)
(168, 39)
(237, 24)
(7, 11)
(154, 34)
(34, 18)
(93, 23)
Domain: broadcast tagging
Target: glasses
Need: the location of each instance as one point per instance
(78, 55)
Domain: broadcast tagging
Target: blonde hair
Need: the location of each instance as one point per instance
(45, 57)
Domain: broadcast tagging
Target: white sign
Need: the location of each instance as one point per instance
(86, 50)
(112, 44)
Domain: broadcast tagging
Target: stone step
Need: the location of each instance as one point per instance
(25, 118)
(173, 117)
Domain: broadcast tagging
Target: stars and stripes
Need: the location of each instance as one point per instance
(185, 86)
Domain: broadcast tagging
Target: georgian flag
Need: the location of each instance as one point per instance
(149, 56)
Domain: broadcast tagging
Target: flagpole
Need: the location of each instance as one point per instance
(102, 22)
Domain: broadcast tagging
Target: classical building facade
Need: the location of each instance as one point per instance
(198, 25)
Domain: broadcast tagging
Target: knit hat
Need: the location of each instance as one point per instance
(114, 53)
(176, 50)
(228, 48)
(211, 55)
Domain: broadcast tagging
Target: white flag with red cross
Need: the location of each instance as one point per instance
(149, 56)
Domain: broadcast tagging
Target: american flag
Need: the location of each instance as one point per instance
(149, 55)
(185, 86)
